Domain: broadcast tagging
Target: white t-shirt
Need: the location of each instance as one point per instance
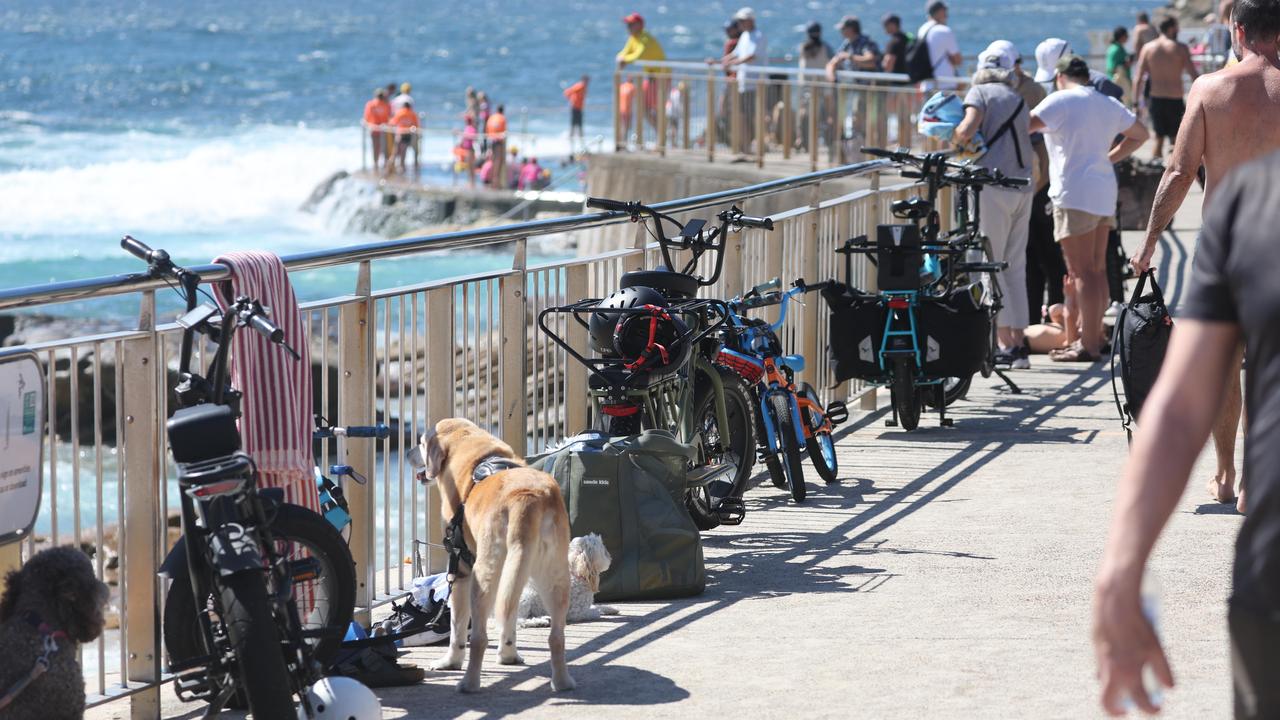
(750, 44)
(1080, 125)
(398, 101)
(942, 44)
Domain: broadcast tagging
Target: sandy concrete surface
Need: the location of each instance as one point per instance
(947, 576)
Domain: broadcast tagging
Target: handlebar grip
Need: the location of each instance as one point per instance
(877, 152)
(266, 328)
(142, 251)
(1015, 182)
(368, 431)
(607, 204)
(763, 223)
(765, 287)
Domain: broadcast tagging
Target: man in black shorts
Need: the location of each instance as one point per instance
(1164, 60)
(1233, 297)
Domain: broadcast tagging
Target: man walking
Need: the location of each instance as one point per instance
(944, 50)
(1143, 32)
(995, 109)
(1231, 119)
(1164, 60)
(895, 51)
(1233, 297)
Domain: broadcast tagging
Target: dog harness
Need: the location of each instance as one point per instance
(455, 540)
(49, 646)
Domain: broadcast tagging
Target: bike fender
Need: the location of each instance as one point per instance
(766, 414)
(175, 563)
(717, 384)
(234, 550)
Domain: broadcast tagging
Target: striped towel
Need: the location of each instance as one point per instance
(277, 422)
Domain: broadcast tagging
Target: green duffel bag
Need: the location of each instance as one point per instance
(630, 491)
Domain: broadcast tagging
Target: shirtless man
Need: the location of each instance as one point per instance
(1231, 119)
(1143, 33)
(1164, 60)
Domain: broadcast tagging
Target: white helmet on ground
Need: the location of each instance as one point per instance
(341, 698)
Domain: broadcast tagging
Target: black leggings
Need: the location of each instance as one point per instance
(1045, 265)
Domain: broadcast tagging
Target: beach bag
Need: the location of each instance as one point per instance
(941, 113)
(856, 329)
(919, 64)
(956, 332)
(631, 491)
(1138, 345)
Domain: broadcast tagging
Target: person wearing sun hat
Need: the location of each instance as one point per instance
(997, 114)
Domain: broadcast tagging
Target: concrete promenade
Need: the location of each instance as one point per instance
(947, 576)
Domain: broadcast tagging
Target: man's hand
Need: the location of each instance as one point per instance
(1124, 643)
(1142, 262)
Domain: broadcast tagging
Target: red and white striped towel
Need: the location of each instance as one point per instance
(277, 422)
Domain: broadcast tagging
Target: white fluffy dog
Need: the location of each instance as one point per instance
(588, 558)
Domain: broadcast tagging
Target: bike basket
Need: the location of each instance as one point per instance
(856, 330)
(955, 336)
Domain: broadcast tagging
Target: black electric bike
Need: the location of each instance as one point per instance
(232, 625)
(656, 364)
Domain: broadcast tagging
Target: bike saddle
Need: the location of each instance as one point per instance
(672, 285)
(916, 208)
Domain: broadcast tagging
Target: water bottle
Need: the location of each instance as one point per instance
(1150, 600)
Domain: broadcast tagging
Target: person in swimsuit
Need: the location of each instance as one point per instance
(1164, 60)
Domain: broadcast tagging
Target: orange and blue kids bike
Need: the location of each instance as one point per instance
(790, 418)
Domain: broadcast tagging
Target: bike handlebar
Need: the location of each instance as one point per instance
(378, 431)
(266, 328)
(763, 223)
(613, 205)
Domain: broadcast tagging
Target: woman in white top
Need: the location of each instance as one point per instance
(1079, 126)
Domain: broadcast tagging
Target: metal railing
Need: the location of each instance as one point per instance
(772, 112)
(461, 346)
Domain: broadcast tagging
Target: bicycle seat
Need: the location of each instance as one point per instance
(915, 208)
(672, 285)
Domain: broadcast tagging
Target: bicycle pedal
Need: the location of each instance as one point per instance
(947, 422)
(304, 570)
(890, 423)
(731, 511)
(837, 413)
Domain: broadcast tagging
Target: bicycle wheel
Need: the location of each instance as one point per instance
(331, 598)
(780, 404)
(906, 397)
(735, 443)
(821, 448)
(777, 475)
(953, 389)
(252, 632)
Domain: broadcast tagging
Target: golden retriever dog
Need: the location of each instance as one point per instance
(515, 524)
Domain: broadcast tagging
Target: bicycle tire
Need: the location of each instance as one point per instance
(821, 447)
(906, 397)
(183, 638)
(251, 629)
(741, 445)
(792, 463)
(777, 476)
(950, 394)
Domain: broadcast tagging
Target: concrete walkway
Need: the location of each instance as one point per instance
(947, 576)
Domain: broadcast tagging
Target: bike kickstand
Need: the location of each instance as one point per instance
(893, 407)
(1013, 387)
(943, 420)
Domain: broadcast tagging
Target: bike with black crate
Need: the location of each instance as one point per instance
(653, 364)
(931, 324)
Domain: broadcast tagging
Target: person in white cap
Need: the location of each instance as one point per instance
(944, 50)
(995, 109)
(752, 49)
(1049, 52)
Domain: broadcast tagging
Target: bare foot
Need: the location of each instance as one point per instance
(1223, 490)
(1240, 500)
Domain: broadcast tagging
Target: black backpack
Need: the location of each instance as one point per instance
(1140, 340)
(919, 64)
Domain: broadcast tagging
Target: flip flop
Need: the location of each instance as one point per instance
(1075, 355)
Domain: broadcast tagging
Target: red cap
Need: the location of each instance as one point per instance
(633, 18)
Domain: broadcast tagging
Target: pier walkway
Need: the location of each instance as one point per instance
(947, 576)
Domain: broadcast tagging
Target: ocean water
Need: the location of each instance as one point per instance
(201, 127)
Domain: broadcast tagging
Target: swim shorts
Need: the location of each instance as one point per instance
(1166, 116)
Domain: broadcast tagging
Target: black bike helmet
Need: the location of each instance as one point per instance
(602, 325)
(651, 341)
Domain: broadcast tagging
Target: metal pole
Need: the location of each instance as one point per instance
(761, 89)
(440, 394)
(684, 115)
(813, 126)
(661, 81)
(575, 374)
(788, 121)
(617, 111)
(712, 119)
(872, 220)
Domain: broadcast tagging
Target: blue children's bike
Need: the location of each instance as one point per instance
(790, 418)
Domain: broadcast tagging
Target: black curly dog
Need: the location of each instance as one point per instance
(54, 594)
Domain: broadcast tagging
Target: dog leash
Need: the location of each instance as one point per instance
(455, 540)
(49, 646)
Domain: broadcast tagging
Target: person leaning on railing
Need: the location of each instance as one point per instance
(643, 46)
(377, 112)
